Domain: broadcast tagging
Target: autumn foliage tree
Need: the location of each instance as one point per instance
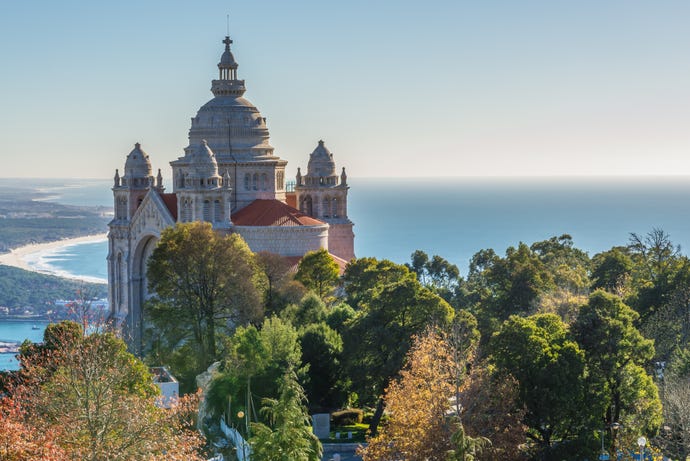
(86, 397)
(418, 403)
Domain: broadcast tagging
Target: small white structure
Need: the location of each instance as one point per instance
(321, 425)
(166, 382)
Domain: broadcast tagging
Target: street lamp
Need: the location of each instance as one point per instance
(603, 456)
(642, 442)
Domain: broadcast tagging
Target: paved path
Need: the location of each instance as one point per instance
(345, 450)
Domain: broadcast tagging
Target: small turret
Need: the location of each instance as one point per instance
(343, 178)
(117, 178)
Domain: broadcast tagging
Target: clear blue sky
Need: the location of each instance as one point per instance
(395, 88)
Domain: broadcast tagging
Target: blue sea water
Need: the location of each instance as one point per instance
(456, 217)
(11, 331)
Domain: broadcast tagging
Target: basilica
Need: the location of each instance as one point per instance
(230, 177)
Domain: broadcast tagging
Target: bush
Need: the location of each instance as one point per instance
(347, 417)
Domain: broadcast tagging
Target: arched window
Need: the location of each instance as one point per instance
(326, 207)
(207, 211)
(255, 181)
(334, 207)
(264, 181)
(307, 206)
(217, 211)
(118, 282)
(280, 180)
(247, 181)
(186, 210)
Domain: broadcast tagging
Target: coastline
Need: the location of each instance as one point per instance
(17, 257)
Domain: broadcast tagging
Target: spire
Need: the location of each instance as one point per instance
(117, 178)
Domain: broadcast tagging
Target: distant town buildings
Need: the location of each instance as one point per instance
(230, 177)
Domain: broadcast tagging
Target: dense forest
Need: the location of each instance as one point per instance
(542, 353)
(22, 290)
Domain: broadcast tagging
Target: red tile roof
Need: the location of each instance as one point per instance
(170, 201)
(272, 213)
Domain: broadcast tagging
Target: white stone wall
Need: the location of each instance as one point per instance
(341, 240)
(284, 240)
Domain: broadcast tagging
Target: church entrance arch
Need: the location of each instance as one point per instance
(140, 292)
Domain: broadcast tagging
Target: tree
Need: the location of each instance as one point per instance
(311, 309)
(318, 271)
(612, 270)
(418, 403)
(254, 363)
(287, 434)
(97, 401)
(490, 409)
(436, 273)
(205, 284)
(321, 350)
(616, 353)
(276, 268)
(550, 370)
(500, 287)
(391, 307)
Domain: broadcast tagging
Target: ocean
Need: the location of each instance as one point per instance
(454, 217)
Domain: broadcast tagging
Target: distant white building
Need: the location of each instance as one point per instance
(229, 176)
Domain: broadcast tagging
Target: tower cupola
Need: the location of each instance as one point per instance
(227, 83)
(321, 163)
(137, 164)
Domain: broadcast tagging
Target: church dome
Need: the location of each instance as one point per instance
(321, 162)
(233, 126)
(138, 164)
(227, 60)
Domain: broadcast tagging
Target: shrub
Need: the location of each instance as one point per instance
(347, 417)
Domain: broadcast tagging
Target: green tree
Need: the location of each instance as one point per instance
(391, 306)
(499, 287)
(311, 309)
(616, 352)
(287, 434)
(254, 363)
(321, 352)
(276, 269)
(550, 370)
(318, 271)
(436, 273)
(612, 270)
(204, 285)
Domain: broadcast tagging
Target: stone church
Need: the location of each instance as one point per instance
(230, 177)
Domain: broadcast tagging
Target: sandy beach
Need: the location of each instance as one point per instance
(18, 256)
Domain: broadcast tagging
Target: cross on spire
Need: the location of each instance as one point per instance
(227, 42)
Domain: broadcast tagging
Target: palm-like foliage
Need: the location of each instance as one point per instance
(288, 437)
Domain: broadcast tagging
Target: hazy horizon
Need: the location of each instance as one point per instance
(395, 88)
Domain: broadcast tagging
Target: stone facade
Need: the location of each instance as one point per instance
(229, 176)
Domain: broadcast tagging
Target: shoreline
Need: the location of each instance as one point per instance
(17, 257)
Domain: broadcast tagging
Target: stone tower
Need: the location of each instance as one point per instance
(202, 195)
(322, 194)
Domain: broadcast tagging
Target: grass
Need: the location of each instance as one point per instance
(358, 433)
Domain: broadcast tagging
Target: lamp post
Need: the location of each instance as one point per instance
(603, 456)
(642, 442)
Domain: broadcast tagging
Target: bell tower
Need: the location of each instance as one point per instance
(322, 194)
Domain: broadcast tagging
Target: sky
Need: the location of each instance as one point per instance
(395, 88)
